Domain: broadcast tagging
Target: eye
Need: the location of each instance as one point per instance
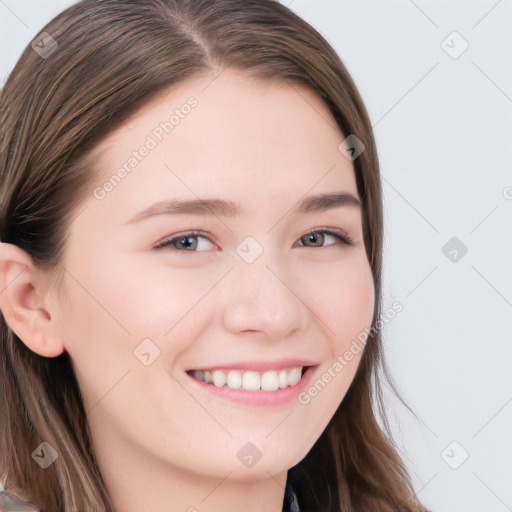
(317, 236)
(187, 241)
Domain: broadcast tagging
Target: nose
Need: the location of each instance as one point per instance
(263, 297)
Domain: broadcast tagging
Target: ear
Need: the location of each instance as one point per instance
(25, 301)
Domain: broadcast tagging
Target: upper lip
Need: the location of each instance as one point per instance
(258, 365)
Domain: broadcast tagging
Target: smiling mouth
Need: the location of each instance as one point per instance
(250, 380)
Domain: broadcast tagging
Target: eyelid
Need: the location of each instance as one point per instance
(162, 244)
(340, 234)
(336, 232)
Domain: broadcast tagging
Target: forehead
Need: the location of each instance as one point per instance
(228, 135)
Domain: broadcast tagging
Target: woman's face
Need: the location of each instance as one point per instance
(252, 295)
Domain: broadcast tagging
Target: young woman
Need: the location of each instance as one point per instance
(190, 266)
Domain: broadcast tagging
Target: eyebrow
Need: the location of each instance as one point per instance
(230, 209)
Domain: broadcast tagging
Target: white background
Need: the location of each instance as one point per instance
(444, 133)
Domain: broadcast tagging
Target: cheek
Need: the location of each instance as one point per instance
(343, 306)
(114, 303)
(136, 294)
(346, 301)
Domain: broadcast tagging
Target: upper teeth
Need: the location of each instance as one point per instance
(250, 380)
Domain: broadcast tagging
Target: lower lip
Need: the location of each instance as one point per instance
(262, 398)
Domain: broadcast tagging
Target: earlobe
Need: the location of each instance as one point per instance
(23, 301)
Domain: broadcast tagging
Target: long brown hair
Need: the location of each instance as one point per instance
(111, 58)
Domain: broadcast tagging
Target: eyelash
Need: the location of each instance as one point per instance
(166, 244)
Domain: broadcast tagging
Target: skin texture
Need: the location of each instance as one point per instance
(162, 442)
